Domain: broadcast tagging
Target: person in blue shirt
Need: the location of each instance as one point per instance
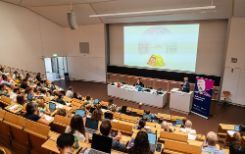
(211, 148)
(148, 116)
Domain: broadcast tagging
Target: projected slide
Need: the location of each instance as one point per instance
(171, 47)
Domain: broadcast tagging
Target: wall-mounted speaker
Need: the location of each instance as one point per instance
(72, 22)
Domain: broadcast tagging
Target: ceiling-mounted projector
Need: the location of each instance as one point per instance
(72, 21)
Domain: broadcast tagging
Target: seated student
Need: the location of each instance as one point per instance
(141, 144)
(60, 100)
(69, 92)
(20, 99)
(235, 146)
(5, 81)
(38, 77)
(97, 113)
(14, 94)
(3, 90)
(166, 126)
(77, 128)
(32, 113)
(29, 94)
(65, 143)
(139, 83)
(77, 96)
(141, 124)
(105, 130)
(211, 140)
(148, 116)
(188, 128)
(24, 84)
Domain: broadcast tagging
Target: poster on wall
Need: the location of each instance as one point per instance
(202, 97)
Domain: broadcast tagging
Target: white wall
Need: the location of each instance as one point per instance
(88, 67)
(210, 54)
(234, 74)
(25, 37)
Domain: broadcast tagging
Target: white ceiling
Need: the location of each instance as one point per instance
(55, 10)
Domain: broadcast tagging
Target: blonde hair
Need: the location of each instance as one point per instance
(212, 138)
(188, 124)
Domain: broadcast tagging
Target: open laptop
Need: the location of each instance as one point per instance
(80, 112)
(152, 141)
(91, 125)
(96, 101)
(52, 106)
(101, 143)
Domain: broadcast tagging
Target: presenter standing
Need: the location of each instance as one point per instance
(186, 85)
(139, 83)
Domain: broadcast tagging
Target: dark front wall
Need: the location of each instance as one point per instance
(177, 76)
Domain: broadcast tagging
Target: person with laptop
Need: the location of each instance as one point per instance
(77, 128)
(32, 113)
(65, 143)
(141, 144)
(105, 130)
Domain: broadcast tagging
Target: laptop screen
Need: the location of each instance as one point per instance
(101, 143)
(52, 106)
(152, 138)
(91, 124)
(96, 101)
(80, 112)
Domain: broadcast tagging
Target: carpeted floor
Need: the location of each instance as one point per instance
(220, 113)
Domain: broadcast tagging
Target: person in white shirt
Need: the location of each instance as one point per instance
(77, 128)
(14, 94)
(69, 92)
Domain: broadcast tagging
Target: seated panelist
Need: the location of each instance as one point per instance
(139, 83)
(186, 85)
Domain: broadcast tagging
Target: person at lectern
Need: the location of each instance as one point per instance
(139, 83)
(186, 85)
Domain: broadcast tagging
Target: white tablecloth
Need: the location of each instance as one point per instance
(128, 92)
(181, 101)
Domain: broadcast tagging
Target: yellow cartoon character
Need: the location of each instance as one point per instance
(156, 61)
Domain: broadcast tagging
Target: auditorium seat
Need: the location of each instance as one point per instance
(173, 136)
(19, 138)
(60, 123)
(4, 130)
(124, 127)
(171, 146)
(37, 134)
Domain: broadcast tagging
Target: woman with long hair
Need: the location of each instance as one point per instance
(141, 144)
(77, 128)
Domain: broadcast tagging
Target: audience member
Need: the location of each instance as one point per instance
(65, 143)
(20, 99)
(166, 126)
(97, 113)
(14, 94)
(60, 100)
(105, 130)
(3, 90)
(235, 146)
(32, 113)
(77, 128)
(69, 92)
(141, 144)
(141, 124)
(211, 140)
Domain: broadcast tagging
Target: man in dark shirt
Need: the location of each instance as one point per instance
(186, 85)
(139, 83)
(60, 100)
(235, 146)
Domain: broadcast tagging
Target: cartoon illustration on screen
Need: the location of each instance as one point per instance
(156, 61)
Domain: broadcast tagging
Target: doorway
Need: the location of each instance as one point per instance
(56, 68)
